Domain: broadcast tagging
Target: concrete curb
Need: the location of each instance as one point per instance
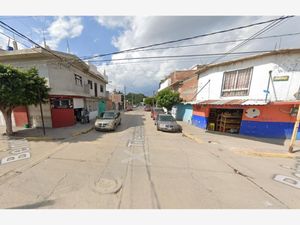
(267, 154)
(74, 134)
(42, 139)
(247, 152)
(190, 136)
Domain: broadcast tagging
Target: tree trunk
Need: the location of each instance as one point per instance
(7, 117)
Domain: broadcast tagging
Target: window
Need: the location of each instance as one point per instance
(237, 82)
(61, 103)
(90, 83)
(101, 88)
(95, 89)
(78, 80)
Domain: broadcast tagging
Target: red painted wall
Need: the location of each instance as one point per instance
(21, 116)
(201, 110)
(271, 113)
(62, 117)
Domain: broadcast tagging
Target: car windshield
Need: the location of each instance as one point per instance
(166, 118)
(108, 115)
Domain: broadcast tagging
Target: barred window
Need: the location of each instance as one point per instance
(78, 80)
(237, 82)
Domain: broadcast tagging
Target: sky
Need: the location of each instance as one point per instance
(93, 35)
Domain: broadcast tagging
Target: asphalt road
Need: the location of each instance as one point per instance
(138, 167)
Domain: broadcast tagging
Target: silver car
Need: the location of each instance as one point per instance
(109, 120)
(166, 122)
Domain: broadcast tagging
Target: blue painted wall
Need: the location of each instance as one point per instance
(199, 121)
(178, 111)
(188, 113)
(267, 129)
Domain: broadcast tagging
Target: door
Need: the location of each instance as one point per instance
(101, 107)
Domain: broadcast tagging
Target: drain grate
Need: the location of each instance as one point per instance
(108, 186)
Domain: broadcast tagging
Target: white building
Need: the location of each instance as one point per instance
(74, 85)
(262, 90)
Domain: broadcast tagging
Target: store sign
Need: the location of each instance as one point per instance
(280, 78)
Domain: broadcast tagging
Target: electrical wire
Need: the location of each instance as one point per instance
(180, 56)
(211, 43)
(263, 30)
(188, 38)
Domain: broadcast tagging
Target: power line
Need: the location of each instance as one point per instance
(187, 38)
(266, 28)
(181, 56)
(213, 43)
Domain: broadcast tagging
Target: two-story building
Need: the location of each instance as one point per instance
(74, 84)
(256, 95)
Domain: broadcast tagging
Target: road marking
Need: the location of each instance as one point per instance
(19, 150)
(13, 158)
(287, 180)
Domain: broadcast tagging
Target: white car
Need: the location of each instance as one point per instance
(109, 120)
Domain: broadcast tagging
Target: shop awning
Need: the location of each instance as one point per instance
(232, 102)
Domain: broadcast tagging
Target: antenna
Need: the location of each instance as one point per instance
(68, 47)
(44, 39)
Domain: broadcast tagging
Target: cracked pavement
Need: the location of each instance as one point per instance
(137, 167)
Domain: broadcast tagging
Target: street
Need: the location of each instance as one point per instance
(138, 167)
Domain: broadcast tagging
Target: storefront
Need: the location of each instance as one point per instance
(253, 118)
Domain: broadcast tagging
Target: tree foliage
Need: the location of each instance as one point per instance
(149, 101)
(20, 88)
(167, 98)
(135, 98)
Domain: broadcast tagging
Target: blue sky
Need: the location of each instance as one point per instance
(90, 35)
(93, 39)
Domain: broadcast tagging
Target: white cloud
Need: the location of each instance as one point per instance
(63, 27)
(112, 22)
(139, 31)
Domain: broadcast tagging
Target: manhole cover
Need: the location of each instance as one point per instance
(108, 186)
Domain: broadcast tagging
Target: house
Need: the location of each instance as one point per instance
(74, 84)
(256, 95)
(185, 82)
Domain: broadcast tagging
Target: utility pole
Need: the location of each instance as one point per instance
(153, 99)
(295, 131)
(124, 98)
(42, 115)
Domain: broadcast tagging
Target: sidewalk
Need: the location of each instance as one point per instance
(264, 147)
(36, 134)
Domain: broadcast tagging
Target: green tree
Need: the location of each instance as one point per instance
(135, 98)
(167, 98)
(19, 88)
(150, 101)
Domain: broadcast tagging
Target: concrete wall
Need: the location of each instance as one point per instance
(2, 121)
(35, 118)
(62, 82)
(280, 65)
(165, 84)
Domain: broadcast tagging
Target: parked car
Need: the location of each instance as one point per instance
(129, 108)
(109, 120)
(166, 122)
(155, 112)
(147, 108)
